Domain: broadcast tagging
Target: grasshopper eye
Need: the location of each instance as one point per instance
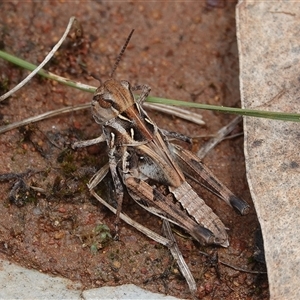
(102, 101)
(103, 105)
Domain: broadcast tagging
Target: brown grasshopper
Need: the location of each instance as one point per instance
(142, 157)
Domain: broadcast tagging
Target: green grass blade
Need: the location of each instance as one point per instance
(28, 66)
(293, 117)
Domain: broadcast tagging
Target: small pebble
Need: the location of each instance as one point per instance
(37, 211)
(59, 235)
(116, 264)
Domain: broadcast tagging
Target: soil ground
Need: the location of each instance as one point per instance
(183, 50)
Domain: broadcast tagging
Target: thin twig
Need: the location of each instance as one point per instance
(234, 267)
(43, 116)
(218, 137)
(182, 113)
(47, 58)
(176, 111)
(241, 269)
(176, 253)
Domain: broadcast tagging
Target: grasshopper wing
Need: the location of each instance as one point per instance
(195, 169)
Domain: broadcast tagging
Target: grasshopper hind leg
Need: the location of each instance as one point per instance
(155, 202)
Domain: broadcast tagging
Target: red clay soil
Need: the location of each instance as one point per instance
(183, 50)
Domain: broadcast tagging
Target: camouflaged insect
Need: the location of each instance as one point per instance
(142, 159)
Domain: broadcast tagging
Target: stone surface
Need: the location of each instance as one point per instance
(268, 39)
(20, 283)
(126, 291)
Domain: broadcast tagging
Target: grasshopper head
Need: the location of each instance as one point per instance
(111, 99)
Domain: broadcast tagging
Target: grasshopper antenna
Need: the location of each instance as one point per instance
(121, 53)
